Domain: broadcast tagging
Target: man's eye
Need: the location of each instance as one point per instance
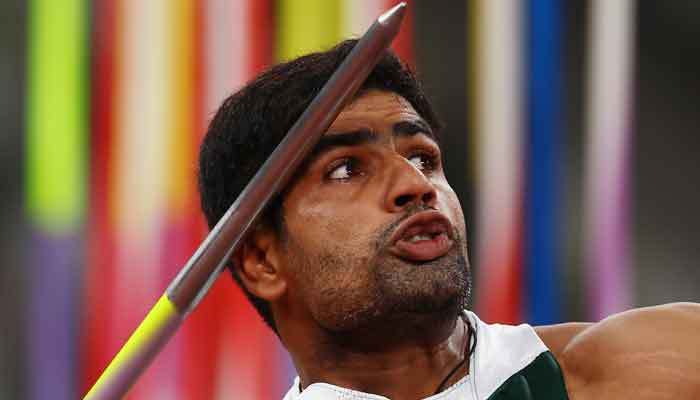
(422, 161)
(344, 170)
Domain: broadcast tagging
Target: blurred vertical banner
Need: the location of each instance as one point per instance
(608, 127)
(518, 119)
(543, 197)
(99, 294)
(306, 26)
(56, 123)
(497, 113)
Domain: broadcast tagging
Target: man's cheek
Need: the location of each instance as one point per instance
(455, 209)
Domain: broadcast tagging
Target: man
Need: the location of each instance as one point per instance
(361, 266)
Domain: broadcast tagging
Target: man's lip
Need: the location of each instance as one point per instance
(424, 250)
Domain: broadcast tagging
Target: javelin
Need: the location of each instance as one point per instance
(204, 267)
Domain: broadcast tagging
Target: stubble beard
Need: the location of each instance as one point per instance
(347, 291)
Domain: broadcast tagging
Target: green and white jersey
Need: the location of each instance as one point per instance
(508, 363)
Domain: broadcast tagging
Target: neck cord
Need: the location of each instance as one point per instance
(465, 356)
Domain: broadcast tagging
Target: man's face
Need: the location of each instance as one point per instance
(374, 233)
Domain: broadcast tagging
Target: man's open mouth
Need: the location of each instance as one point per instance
(424, 236)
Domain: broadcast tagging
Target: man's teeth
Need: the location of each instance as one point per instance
(416, 238)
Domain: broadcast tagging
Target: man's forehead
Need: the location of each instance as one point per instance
(375, 109)
(376, 97)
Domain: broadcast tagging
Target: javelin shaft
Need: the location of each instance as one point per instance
(199, 273)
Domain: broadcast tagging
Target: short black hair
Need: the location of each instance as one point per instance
(251, 122)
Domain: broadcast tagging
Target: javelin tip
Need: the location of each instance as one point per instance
(395, 13)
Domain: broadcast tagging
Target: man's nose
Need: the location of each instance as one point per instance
(408, 186)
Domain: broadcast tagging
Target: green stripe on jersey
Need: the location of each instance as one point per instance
(542, 379)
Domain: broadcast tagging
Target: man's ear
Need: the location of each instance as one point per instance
(258, 264)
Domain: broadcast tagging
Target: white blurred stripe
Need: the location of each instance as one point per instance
(358, 15)
(144, 85)
(609, 115)
(226, 49)
(498, 120)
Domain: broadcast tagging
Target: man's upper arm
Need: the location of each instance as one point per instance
(648, 352)
(557, 337)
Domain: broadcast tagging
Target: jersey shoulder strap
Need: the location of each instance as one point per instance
(542, 379)
(512, 362)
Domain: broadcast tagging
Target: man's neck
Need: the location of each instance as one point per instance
(398, 364)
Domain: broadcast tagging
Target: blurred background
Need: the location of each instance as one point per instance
(571, 138)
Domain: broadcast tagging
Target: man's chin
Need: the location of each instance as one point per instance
(393, 311)
(436, 287)
(420, 321)
(399, 293)
(429, 306)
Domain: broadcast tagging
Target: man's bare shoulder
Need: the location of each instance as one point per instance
(651, 352)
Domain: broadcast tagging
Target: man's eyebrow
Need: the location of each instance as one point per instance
(363, 136)
(345, 139)
(413, 127)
